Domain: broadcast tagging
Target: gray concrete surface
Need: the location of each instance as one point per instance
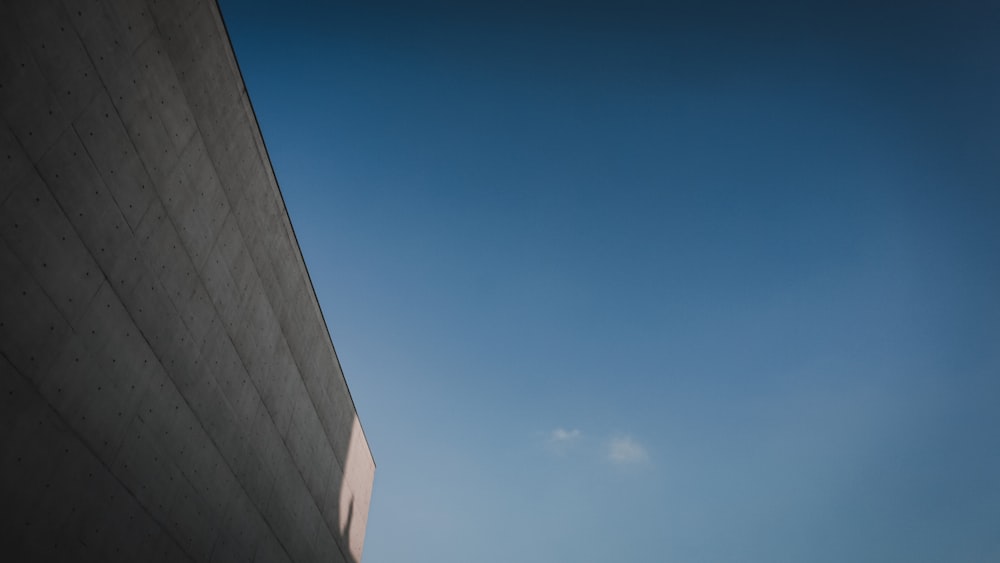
(169, 388)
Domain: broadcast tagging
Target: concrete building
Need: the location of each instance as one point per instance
(168, 388)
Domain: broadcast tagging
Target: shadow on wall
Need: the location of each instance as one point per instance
(168, 389)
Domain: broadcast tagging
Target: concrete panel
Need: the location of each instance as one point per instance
(147, 472)
(309, 448)
(164, 91)
(170, 15)
(270, 550)
(330, 506)
(192, 522)
(77, 186)
(132, 21)
(94, 508)
(59, 53)
(163, 251)
(240, 522)
(14, 163)
(268, 446)
(150, 137)
(222, 289)
(155, 315)
(107, 142)
(108, 43)
(213, 205)
(288, 516)
(34, 227)
(337, 420)
(31, 329)
(18, 399)
(30, 107)
(40, 512)
(199, 314)
(257, 481)
(280, 386)
(159, 416)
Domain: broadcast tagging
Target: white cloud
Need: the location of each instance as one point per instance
(624, 450)
(563, 436)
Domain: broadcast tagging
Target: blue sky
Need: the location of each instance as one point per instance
(653, 282)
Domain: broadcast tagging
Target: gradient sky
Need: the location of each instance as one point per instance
(653, 282)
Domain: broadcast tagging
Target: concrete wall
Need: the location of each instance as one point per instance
(168, 388)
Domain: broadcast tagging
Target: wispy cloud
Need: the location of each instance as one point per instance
(561, 441)
(625, 450)
(563, 436)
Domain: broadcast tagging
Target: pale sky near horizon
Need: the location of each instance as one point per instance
(653, 281)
